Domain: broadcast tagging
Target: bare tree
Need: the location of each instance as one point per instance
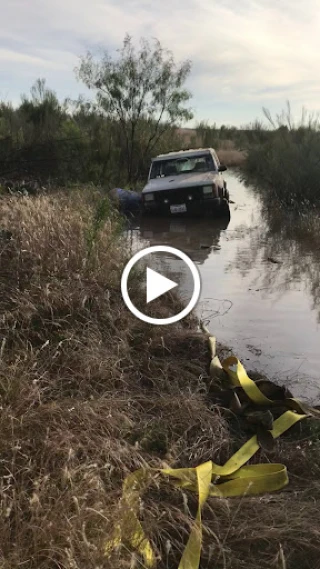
(138, 89)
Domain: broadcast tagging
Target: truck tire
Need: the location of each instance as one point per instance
(224, 209)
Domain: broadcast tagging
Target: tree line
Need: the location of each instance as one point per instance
(139, 102)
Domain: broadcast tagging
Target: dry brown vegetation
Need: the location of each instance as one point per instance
(232, 157)
(89, 393)
(228, 152)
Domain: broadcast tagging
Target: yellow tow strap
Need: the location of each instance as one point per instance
(234, 478)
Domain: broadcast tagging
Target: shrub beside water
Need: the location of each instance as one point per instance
(287, 165)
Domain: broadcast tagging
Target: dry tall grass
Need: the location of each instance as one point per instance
(232, 158)
(89, 393)
(229, 155)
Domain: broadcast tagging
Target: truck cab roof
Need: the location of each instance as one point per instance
(185, 153)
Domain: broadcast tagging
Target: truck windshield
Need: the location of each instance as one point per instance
(176, 166)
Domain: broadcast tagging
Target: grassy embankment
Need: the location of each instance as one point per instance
(89, 394)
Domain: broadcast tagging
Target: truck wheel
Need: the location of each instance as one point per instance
(224, 208)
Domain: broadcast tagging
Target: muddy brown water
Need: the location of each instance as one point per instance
(260, 287)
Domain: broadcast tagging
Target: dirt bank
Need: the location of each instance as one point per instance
(89, 394)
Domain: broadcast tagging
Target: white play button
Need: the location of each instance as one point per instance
(157, 285)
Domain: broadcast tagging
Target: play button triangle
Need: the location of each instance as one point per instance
(157, 285)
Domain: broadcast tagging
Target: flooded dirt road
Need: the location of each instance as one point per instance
(260, 287)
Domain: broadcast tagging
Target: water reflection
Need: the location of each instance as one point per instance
(197, 238)
(260, 277)
(288, 249)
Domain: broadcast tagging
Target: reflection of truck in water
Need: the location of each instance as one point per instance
(186, 182)
(197, 238)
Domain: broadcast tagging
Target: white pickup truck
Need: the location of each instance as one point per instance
(188, 181)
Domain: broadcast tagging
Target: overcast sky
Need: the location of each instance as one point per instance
(246, 54)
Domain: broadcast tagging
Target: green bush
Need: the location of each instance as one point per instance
(287, 165)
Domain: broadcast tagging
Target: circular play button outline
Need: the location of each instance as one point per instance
(177, 253)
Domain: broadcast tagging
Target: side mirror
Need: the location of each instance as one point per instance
(222, 168)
